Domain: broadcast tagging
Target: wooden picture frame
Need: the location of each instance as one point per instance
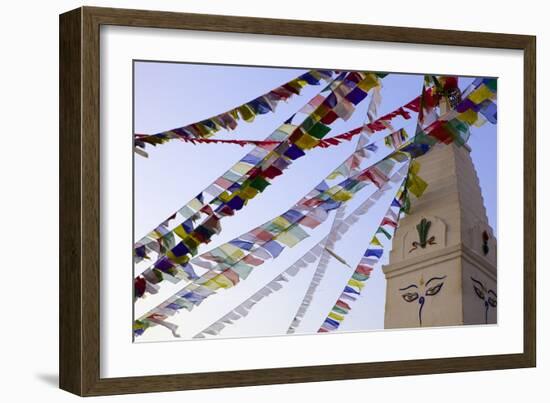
(80, 184)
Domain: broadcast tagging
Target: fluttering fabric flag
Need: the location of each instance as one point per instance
(346, 169)
(356, 281)
(229, 120)
(227, 203)
(316, 203)
(432, 128)
(159, 239)
(473, 107)
(340, 229)
(225, 260)
(308, 257)
(243, 187)
(439, 96)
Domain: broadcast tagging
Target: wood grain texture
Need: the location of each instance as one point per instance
(80, 195)
(70, 272)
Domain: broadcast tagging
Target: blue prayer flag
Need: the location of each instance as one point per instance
(274, 248)
(293, 216)
(374, 252)
(395, 203)
(350, 290)
(239, 243)
(236, 203)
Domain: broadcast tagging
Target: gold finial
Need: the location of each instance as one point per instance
(421, 279)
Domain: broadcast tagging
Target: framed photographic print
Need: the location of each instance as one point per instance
(249, 201)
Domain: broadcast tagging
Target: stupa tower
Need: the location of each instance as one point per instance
(442, 267)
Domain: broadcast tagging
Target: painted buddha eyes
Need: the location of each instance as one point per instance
(489, 297)
(434, 290)
(410, 296)
(484, 294)
(413, 294)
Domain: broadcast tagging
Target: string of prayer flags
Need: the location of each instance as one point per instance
(341, 195)
(236, 197)
(271, 287)
(340, 227)
(278, 282)
(415, 184)
(248, 111)
(397, 138)
(190, 242)
(223, 275)
(231, 179)
(327, 198)
(154, 241)
(474, 106)
(360, 275)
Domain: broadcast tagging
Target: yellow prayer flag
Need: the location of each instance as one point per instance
(248, 193)
(232, 251)
(195, 204)
(343, 195)
(305, 142)
(241, 167)
(334, 175)
(414, 167)
(281, 222)
(177, 259)
(469, 116)
(225, 196)
(416, 185)
(481, 94)
(246, 113)
(222, 281)
(180, 231)
(375, 241)
(335, 316)
(287, 238)
(356, 283)
(370, 81)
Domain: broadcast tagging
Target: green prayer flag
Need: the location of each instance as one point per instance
(242, 269)
(319, 130)
(339, 310)
(423, 138)
(381, 230)
(359, 276)
(308, 123)
(491, 83)
(259, 183)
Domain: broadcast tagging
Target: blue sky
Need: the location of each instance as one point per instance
(169, 95)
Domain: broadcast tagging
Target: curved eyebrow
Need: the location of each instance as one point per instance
(478, 282)
(435, 278)
(406, 288)
(492, 292)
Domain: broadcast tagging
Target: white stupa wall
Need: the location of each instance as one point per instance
(434, 285)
